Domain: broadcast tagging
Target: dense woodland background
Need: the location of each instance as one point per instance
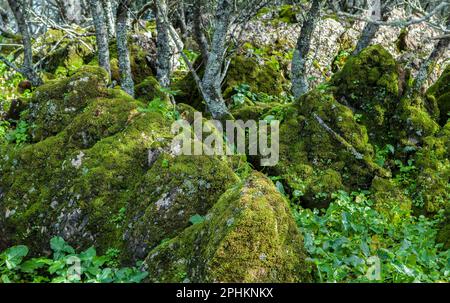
(90, 190)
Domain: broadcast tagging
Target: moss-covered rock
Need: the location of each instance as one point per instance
(323, 148)
(57, 102)
(248, 236)
(432, 190)
(438, 96)
(61, 54)
(103, 176)
(172, 191)
(369, 83)
(149, 89)
(261, 77)
(443, 235)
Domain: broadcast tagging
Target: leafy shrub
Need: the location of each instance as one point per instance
(66, 266)
(352, 242)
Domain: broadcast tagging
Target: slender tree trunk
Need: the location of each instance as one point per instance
(370, 30)
(300, 84)
(126, 79)
(109, 17)
(212, 78)
(427, 66)
(101, 35)
(27, 69)
(163, 44)
(199, 34)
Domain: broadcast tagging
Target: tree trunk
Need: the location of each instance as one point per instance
(370, 30)
(126, 79)
(213, 71)
(27, 68)
(428, 65)
(101, 35)
(109, 17)
(199, 34)
(163, 44)
(300, 84)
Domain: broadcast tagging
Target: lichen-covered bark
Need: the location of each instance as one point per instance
(126, 78)
(197, 27)
(212, 78)
(427, 66)
(370, 30)
(101, 35)
(163, 44)
(18, 8)
(299, 78)
(109, 17)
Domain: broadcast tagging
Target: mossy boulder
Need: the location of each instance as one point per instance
(106, 169)
(260, 76)
(323, 148)
(443, 235)
(149, 89)
(438, 96)
(248, 236)
(172, 191)
(59, 53)
(57, 102)
(432, 191)
(142, 62)
(369, 83)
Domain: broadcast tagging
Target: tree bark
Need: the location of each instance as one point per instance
(199, 33)
(101, 35)
(109, 17)
(300, 84)
(126, 78)
(427, 66)
(370, 30)
(27, 67)
(212, 78)
(163, 44)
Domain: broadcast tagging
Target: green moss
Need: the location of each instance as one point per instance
(255, 111)
(55, 103)
(389, 197)
(61, 54)
(432, 181)
(444, 231)
(369, 83)
(176, 188)
(149, 89)
(439, 94)
(249, 236)
(262, 78)
(313, 161)
(101, 176)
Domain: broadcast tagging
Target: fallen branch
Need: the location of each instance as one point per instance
(339, 138)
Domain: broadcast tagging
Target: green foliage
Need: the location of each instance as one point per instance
(191, 55)
(4, 129)
(158, 105)
(353, 242)
(242, 94)
(66, 266)
(382, 154)
(18, 135)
